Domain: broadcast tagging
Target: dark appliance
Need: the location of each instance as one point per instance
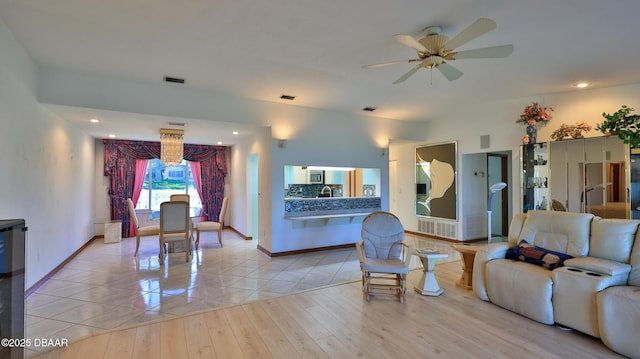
(12, 287)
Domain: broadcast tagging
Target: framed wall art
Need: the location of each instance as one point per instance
(436, 180)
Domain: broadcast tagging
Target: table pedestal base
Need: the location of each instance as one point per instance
(468, 255)
(428, 284)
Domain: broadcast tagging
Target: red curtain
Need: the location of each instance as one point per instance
(195, 172)
(120, 163)
(141, 171)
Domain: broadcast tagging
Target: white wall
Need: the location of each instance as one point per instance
(240, 209)
(473, 187)
(47, 173)
(328, 138)
(467, 124)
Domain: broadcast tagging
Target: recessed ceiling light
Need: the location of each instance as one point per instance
(235, 132)
(287, 97)
(219, 142)
(369, 109)
(94, 120)
(582, 84)
(111, 135)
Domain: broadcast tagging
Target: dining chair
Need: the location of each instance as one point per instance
(211, 226)
(152, 230)
(384, 257)
(180, 197)
(174, 226)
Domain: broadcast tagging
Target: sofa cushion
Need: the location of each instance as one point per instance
(612, 238)
(619, 319)
(599, 265)
(515, 228)
(634, 260)
(564, 232)
(522, 288)
(537, 255)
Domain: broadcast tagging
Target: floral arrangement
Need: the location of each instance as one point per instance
(563, 131)
(535, 114)
(575, 131)
(624, 124)
(579, 128)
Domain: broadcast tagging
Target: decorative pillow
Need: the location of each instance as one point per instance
(537, 255)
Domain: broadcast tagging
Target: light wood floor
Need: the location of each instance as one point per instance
(336, 322)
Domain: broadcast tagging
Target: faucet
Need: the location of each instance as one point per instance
(326, 188)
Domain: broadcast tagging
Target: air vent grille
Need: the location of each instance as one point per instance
(437, 228)
(287, 97)
(369, 109)
(175, 80)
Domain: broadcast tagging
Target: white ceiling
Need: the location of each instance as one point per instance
(315, 49)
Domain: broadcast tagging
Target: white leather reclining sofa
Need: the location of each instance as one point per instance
(596, 292)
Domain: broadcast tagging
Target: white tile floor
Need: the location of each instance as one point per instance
(105, 287)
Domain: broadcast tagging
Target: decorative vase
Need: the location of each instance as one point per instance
(532, 131)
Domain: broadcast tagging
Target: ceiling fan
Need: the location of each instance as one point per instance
(436, 50)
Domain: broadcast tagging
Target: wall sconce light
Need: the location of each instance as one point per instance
(281, 143)
(383, 151)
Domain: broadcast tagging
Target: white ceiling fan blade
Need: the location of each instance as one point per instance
(478, 28)
(407, 75)
(450, 72)
(484, 53)
(411, 42)
(373, 66)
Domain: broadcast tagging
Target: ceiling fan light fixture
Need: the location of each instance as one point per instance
(432, 61)
(437, 51)
(434, 43)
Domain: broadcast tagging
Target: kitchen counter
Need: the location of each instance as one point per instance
(330, 207)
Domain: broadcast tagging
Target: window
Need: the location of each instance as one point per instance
(162, 181)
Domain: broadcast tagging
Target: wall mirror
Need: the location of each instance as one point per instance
(436, 180)
(324, 181)
(590, 175)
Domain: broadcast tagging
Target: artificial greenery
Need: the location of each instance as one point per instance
(623, 123)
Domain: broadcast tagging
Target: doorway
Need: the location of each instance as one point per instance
(498, 171)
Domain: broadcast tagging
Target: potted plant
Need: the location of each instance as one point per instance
(622, 123)
(532, 116)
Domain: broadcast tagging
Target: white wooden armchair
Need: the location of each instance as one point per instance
(152, 230)
(384, 257)
(211, 226)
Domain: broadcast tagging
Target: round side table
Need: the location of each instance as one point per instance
(428, 284)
